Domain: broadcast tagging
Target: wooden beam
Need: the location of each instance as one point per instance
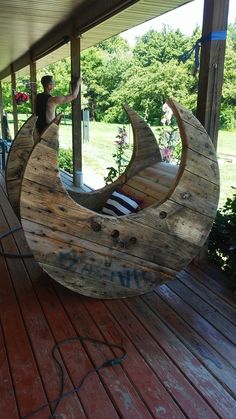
(215, 18)
(76, 114)
(14, 105)
(33, 86)
(1, 108)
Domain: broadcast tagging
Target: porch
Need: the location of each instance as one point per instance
(180, 341)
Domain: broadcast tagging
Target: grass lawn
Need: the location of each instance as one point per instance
(97, 154)
(227, 145)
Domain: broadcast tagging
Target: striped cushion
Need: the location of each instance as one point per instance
(120, 204)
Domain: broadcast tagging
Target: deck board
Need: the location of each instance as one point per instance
(180, 340)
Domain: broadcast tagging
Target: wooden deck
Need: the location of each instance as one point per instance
(180, 342)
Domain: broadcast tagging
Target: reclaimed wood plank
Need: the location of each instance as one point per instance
(124, 395)
(8, 403)
(216, 286)
(93, 395)
(218, 320)
(187, 125)
(183, 302)
(28, 386)
(164, 367)
(222, 278)
(155, 394)
(17, 159)
(40, 336)
(2, 180)
(212, 360)
(206, 384)
(212, 299)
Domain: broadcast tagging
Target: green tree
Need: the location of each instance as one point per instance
(103, 68)
(114, 45)
(146, 90)
(92, 61)
(228, 103)
(160, 46)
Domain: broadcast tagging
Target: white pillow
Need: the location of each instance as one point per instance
(120, 204)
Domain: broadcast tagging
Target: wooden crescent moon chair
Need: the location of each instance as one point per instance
(121, 256)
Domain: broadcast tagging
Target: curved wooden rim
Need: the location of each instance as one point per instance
(145, 153)
(78, 247)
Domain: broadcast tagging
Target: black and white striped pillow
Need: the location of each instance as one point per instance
(120, 204)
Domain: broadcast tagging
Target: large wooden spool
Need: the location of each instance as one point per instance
(17, 159)
(109, 257)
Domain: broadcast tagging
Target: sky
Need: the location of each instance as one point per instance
(191, 13)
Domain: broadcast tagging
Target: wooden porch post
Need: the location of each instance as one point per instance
(33, 86)
(215, 18)
(1, 108)
(15, 115)
(76, 115)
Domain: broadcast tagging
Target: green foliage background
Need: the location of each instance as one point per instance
(143, 76)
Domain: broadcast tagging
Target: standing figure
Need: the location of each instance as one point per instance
(46, 103)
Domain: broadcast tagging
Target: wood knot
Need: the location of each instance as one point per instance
(163, 215)
(186, 195)
(95, 226)
(115, 234)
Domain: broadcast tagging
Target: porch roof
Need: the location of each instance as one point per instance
(40, 31)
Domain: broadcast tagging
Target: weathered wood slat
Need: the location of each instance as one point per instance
(8, 405)
(202, 166)
(213, 361)
(148, 185)
(156, 323)
(146, 199)
(128, 402)
(40, 337)
(135, 242)
(181, 301)
(197, 193)
(187, 125)
(93, 396)
(139, 372)
(164, 367)
(216, 302)
(217, 287)
(213, 317)
(159, 173)
(27, 383)
(2, 181)
(16, 162)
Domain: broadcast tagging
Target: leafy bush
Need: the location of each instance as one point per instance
(222, 239)
(65, 160)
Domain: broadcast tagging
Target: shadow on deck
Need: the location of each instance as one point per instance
(180, 340)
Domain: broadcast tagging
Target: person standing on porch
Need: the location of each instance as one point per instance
(46, 103)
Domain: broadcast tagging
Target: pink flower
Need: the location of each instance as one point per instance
(167, 154)
(21, 97)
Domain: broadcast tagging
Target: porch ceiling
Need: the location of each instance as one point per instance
(32, 29)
